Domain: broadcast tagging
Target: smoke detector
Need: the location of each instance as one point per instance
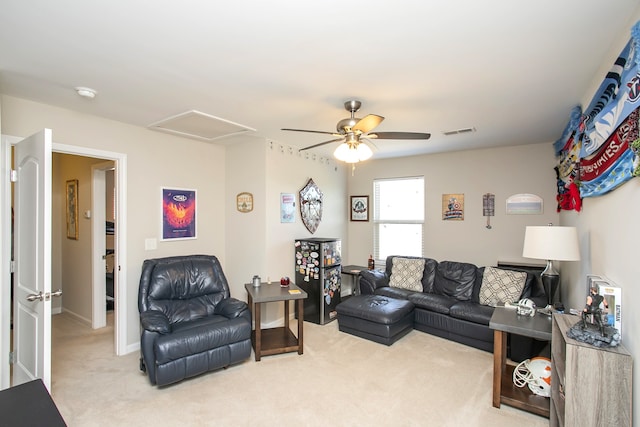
(86, 92)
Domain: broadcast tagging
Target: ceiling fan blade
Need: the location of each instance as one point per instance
(322, 143)
(310, 131)
(368, 123)
(399, 135)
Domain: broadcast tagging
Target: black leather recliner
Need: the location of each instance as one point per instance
(190, 324)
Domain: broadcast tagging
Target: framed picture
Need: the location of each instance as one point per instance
(453, 207)
(287, 207)
(359, 208)
(72, 209)
(178, 214)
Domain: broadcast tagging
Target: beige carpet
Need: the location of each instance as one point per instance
(340, 380)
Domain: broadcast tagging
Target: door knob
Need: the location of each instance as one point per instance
(34, 297)
(42, 297)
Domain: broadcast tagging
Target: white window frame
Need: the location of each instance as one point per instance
(380, 262)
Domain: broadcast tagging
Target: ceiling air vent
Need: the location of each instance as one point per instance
(198, 125)
(459, 131)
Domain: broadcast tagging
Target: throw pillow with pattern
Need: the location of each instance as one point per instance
(406, 273)
(500, 286)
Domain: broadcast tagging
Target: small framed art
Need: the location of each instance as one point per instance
(359, 208)
(244, 202)
(72, 209)
(453, 207)
(287, 207)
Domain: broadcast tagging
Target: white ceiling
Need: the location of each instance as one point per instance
(511, 69)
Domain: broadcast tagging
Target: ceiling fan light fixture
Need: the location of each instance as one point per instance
(352, 153)
(364, 152)
(342, 153)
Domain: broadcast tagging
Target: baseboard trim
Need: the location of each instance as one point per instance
(76, 316)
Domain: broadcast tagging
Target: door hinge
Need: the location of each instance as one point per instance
(12, 266)
(12, 357)
(13, 175)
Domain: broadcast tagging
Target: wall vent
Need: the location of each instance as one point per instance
(459, 131)
(198, 125)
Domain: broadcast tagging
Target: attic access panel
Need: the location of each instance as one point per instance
(199, 125)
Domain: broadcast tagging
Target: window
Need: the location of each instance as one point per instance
(398, 217)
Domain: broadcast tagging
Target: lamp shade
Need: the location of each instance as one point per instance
(551, 243)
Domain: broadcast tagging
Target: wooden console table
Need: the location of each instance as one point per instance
(281, 339)
(505, 321)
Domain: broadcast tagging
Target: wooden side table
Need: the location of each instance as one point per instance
(505, 321)
(353, 271)
(280, 339)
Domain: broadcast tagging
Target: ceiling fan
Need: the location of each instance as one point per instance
(352, 129)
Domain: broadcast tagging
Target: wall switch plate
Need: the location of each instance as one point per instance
(150, 244)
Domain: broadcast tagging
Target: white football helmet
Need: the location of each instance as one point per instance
(536, 373)
(526, 307)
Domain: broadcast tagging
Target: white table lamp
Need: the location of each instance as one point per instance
(551, 243)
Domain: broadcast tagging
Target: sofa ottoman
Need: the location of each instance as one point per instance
(376, 317)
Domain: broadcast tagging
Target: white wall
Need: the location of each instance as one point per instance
(608, 231)
(501, 171)
(257, 242)
(154, 160)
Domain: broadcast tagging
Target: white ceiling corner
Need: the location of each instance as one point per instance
(199, 125)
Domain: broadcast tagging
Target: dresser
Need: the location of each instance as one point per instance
(590, 386)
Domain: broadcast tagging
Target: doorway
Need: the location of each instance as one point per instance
(97, 217)
(119, 160)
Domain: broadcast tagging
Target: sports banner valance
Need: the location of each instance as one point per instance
(598, 149)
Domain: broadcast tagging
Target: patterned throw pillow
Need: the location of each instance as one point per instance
(406, 273)
(500, 286)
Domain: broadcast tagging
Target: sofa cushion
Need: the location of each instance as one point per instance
(406, 273)
(500, 286)
(428, 276)
(472, 312)
(432, 302)
(455, 279)
(396, 293)
(197, 336)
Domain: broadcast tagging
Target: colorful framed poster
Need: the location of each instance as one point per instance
(287, 207)
(72, 209)
(359, 208)
(453, 207)
(178, 214)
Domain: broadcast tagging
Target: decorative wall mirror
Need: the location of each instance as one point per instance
(311, 206)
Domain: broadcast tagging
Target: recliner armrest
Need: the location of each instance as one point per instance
(370, 280)
(155, 321)
(231, 308)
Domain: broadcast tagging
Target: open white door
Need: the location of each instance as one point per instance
(32, 276)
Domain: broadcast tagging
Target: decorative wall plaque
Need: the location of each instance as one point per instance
(524, 204)
(244, 202)
(311, 206)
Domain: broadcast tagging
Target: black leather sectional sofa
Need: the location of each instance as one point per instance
(449, 303)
